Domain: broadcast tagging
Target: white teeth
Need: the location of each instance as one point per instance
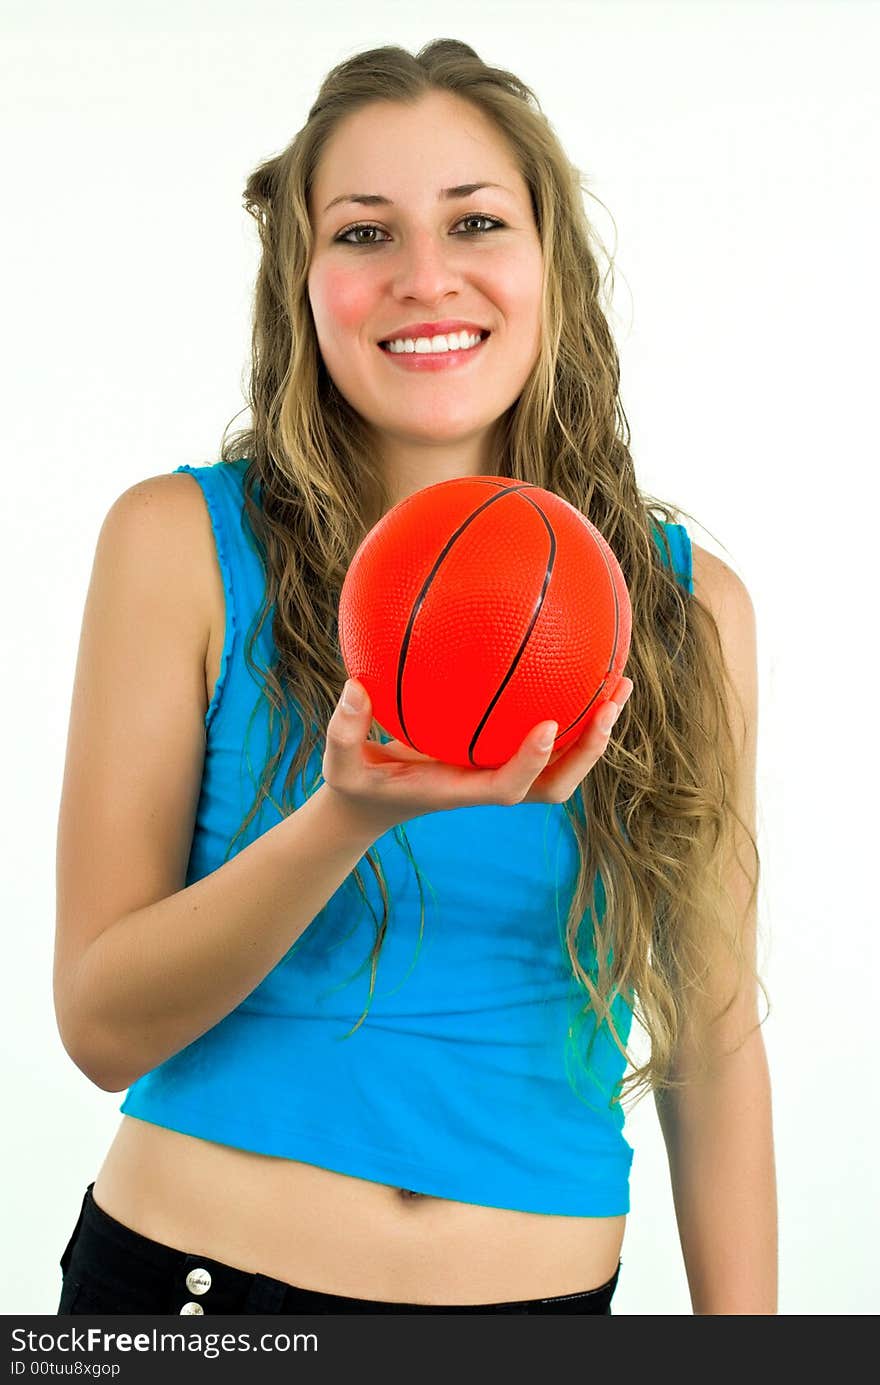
(453, 341)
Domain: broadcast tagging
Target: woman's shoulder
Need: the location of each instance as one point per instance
(177, 502)
(178, 498)
(725, 595)
(715, 582)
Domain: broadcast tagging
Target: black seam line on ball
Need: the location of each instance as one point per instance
(548, 570)
(500, 494)
(615, 643)
(499, 481)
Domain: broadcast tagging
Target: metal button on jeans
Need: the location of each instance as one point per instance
(191, 1309)
(198, 1281)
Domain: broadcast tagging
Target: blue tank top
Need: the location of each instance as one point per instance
(461, 1081)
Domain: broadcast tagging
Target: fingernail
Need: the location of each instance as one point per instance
(548, 735)
(608, 719)
(352, 697)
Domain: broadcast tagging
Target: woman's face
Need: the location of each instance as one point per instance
(432, 258)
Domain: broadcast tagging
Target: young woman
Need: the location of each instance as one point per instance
(345, 1093)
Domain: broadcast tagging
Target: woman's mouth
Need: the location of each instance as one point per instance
(451, 359)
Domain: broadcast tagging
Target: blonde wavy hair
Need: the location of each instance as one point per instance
(666, 776)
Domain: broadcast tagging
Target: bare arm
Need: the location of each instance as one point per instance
(143, 963)
(719, 1142)
(163, 975)
(719, 1131)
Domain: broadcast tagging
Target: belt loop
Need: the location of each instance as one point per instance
(68, 1249)
(265, 1295)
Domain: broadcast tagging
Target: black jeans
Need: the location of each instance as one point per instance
(109, 1268)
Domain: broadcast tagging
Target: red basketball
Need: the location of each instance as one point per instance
(477, 608)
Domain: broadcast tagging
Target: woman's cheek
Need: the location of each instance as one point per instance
(347, 298)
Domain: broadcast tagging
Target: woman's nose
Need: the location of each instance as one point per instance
(427, 267)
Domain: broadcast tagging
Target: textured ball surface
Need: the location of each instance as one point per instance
(477, 608)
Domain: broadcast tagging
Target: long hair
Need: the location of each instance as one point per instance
(666, 776)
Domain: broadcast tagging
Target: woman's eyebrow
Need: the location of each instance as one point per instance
(374, 199)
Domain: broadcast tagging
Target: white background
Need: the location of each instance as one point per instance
(735, 146)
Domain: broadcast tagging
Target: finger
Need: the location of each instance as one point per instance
(604, 716)
(615, 693)
(587, 752)
(611, 710)
(514, 778)
(604, 722)
(383, 752)
(595, 743)
(396, 749)
(622, 689)
(347, 726)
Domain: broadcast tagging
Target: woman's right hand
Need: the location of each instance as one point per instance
(381, 786)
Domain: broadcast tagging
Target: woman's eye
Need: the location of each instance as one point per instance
(343, 236)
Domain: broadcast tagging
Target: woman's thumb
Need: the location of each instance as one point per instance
(353, 699)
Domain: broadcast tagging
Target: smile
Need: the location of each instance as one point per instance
(434, 360)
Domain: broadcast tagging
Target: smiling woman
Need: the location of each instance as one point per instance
(345, 1093)
(422, 254)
